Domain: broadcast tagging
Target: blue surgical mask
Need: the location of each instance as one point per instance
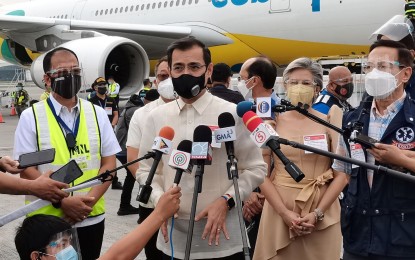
(68, 253)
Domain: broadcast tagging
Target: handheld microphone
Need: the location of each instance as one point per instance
(264, 135)
(201, 150)
(226, 133)
(162, 145)
(246, 106)
(180, 160)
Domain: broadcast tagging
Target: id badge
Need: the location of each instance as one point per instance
(108, 110)
(318, 141)
(356, 152)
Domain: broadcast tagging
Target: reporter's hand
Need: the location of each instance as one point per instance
(169, 203)
(253, 205)
(387, 154)
(10, 165)
(76, 209)
(216, 220)
(46, 188)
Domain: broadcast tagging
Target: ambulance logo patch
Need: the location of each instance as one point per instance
(405, 135)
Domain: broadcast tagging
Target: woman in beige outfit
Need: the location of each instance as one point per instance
(302, 220)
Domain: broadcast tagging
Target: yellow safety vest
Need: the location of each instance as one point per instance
(44, 95)
(87, 152)
(112, 88)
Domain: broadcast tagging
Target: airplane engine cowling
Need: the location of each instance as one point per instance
(103, 56)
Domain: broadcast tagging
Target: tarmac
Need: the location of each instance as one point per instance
(115, 226)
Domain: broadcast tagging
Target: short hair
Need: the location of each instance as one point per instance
(187, 43)
(404, 55)
(221, 72)
(146, 81)
(408, 41)
(264, 68)
(152, 95)
(308, 64)
(48, 57)
(36, 232)
(162, 59)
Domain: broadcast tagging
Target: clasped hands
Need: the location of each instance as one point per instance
(301, 226)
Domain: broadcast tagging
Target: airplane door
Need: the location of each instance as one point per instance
(77, 10)
(279, 6)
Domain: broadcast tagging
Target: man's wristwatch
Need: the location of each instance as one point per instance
(229, 200)
(319, 214)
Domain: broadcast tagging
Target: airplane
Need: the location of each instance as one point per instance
(120, 37)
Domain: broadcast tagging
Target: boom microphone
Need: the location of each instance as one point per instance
(264, 135)
(161, 145)
(180, 160)
(226, 132)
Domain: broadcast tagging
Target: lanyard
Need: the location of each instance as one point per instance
(68, 130)
(105, 103)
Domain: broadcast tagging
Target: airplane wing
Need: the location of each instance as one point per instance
(33, 32)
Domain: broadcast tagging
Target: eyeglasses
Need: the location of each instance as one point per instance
(162, 77)
(385, 66)
(292, 82)
(62, 72)
(193, 67)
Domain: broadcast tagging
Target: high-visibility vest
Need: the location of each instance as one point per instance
(87, 152)
(112, 88)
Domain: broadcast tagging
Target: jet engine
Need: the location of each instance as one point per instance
(105, 56)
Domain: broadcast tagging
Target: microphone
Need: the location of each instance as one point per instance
(201, 150)
(246, 106)
(265, 136)
(162, 145)
(180, 160)
(226, 133)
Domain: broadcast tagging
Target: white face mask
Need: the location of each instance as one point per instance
(165, 89)
(245, 91)
(380, 84)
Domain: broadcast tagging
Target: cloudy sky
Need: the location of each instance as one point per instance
(6, 2)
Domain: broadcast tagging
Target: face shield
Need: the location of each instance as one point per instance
(63, 246)
(397, 28)
(66, 82)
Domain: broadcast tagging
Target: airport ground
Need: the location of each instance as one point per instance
(115, 226)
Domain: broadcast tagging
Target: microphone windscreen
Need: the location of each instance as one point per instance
(167, 132)
(202, 134)
(226, 120)
(185, 146)
(251, 120)
(243, 107)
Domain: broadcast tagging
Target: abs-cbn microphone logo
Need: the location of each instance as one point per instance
(263, 107)
(179, 159)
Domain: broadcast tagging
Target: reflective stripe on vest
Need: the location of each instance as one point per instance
(87, 152)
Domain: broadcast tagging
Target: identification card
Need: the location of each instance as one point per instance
(357, 153)
(108, 110)
(316, 141)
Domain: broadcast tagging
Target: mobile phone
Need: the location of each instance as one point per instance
(67, 173)
(366, 141)
(36, 158)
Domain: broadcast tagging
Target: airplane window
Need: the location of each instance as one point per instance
(116, 10)
(111, 11)
(102, 11)
(142, 7)
(137, 7)
(61, 16)
(126, 9)
(106, 11)
(148, 6)
(196, 1)
(184, 2)
(154, 5)
(121, 9)
(165, 4)
(66, 16)
(171, 3)
(190, 2)
(177, 2)
(131, 8)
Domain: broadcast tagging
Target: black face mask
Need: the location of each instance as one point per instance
(188, 86)
(102, 91)
(66, 86)
(344, 91)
